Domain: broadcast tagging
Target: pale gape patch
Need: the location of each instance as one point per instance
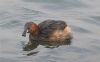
(61, 34)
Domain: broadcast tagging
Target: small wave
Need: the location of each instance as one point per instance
(80, 29)
(92, 20)
(11, 24)
(59, 3)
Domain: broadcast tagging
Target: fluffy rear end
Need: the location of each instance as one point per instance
(61, 35)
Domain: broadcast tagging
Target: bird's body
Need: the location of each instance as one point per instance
(50, 31)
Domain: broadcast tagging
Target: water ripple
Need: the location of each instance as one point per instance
(80, 29)
(11, 24)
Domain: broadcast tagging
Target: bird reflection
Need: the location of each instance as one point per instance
(35, 44)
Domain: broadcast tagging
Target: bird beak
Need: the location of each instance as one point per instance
(24, 33)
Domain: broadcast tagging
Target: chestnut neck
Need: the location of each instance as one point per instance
(35, 33)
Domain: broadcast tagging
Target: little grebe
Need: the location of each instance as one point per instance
(48, 31)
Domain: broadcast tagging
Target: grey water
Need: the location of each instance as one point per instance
(83, 16)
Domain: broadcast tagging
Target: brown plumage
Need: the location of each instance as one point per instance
(50, 31)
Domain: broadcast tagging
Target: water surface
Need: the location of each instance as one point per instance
(81, 15)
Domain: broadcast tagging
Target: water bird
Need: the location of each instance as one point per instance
(49, 32)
